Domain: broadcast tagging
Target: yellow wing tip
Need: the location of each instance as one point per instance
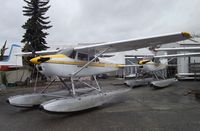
(186, 34)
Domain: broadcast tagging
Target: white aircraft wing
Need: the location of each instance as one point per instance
(179, 49)
(132, 44)
(178, 55)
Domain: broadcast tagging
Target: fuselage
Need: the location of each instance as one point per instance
(64, 66)
(150, 66)
(67, 63)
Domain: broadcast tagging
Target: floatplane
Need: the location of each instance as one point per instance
(154, 67)
(83, 61)
(152, 72)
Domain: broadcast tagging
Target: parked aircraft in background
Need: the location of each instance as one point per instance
(152, 68)
(10, 61)
(85, 61)
(187, 68)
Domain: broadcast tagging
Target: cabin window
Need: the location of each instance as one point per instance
(68, 52)
(73, 54)
(86, 57)
(83, 57)
(92, 57)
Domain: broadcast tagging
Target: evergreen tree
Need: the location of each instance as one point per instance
(34, 37)
(2, 51)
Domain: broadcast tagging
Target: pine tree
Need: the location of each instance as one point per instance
(2, 51)
(34, 37)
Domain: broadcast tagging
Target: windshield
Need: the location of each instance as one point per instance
(68, 52)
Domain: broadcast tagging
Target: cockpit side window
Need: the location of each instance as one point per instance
(68, 52)
(92, 57)
(73, 54)
(82, 56)
(86, 57)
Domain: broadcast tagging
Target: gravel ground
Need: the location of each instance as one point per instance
(143, 109)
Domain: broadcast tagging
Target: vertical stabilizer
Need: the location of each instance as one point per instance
(12, 59)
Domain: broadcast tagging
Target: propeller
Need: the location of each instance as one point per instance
(39, 60)
(36, 61)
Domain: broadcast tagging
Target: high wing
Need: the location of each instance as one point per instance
(178, 55)
(132, 44)
(179, 49)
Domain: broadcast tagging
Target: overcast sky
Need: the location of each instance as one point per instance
(78, 21)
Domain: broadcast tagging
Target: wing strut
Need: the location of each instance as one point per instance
(74, 74)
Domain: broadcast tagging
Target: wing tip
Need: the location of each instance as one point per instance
(186, 35)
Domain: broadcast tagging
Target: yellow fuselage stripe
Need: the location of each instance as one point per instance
(79, 63)
(82, 63)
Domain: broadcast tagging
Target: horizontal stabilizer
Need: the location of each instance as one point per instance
(37, 52)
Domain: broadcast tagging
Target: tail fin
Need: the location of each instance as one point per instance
(116, 59)
(12, 59)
